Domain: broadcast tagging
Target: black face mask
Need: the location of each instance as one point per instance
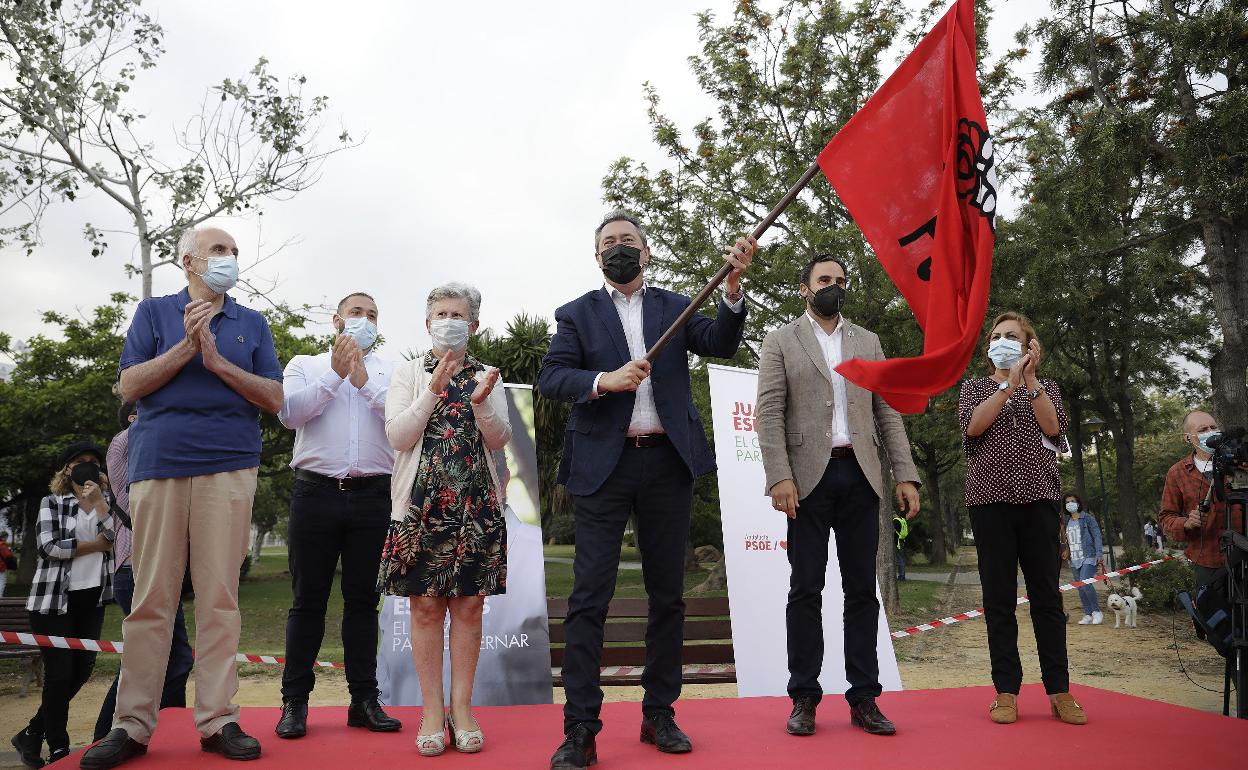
(84, 472)
(828, 300)
(621, 264)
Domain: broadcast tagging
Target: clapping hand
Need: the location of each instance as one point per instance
(359, 372)
(1032, 361)
(213, 360)
(341, 358)
(195, 316)
(485, 386)
(445, 369)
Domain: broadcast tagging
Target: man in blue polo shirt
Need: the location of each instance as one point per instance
(201, 367)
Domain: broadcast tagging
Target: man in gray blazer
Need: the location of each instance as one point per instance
(820, 436)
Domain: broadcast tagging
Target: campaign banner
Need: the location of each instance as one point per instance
(757, 564)
(514, 668)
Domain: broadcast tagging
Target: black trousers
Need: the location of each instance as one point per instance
(65, 671)
(325, 524)
(845, 503)
(655, 484)
(1008, 537)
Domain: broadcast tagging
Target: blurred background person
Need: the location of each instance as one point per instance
(1086, 546)
(7, 560)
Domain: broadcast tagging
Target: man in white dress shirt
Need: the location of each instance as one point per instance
(339, 506)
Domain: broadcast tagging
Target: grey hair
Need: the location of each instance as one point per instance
(455, 290)
(619, 215)
(188, 242)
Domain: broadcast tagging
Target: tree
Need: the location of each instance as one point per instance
(1169, 80)
(60, 391)
(66, 126)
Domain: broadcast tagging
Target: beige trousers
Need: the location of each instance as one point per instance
(207, 518)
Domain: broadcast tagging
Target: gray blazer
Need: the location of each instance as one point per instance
(795, 406)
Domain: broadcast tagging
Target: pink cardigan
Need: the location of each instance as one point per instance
(409, 404)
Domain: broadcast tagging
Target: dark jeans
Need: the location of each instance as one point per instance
(326, 523)
(655, 485)
(845, 503)
(181, 658)
(65, 671)
(1008, 537)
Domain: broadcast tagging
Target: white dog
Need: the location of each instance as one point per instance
(1124, 606)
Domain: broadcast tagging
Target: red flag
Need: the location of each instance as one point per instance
(915, 168)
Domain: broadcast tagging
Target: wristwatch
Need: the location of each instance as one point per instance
(1036, 393)
(109, 535)
(1004, 386)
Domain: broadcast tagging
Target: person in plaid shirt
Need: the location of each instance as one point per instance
(1187, 484)
(73, 580)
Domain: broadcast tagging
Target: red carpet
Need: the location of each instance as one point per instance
(937, 729)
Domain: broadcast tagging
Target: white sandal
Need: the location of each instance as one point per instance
(431, 745)
(466, 741)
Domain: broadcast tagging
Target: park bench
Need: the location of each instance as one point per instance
(708, 656)
(14, 617)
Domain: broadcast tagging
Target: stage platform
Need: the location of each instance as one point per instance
(936, 729)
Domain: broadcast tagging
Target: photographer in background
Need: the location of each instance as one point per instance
(1187, 485)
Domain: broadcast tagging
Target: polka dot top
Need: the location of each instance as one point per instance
(1008, 462)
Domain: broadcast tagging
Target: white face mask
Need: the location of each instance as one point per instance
(362, 330)
(1072, 506)
(449, 334)
(1005, 353)
(221, 275)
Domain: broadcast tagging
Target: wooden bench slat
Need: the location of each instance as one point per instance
(636, 656)
(635, 631)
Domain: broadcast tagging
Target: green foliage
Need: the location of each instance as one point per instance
(1160, 583)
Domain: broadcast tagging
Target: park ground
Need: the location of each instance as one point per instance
(1143, 661)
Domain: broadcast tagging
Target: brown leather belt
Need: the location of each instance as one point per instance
(842, 452)
(349, 484)
(648, 441)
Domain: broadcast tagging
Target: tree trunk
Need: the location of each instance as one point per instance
(931, 479)
(1124, 446)
(30, 541)
(1227, 258)
(954, 524)
(1075, 409)
(257, 543)
(145, 262)
(885, 564)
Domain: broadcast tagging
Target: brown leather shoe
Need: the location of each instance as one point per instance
(1004, 709)
(1066, 709)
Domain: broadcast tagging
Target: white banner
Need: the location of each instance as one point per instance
(758, 567)
(514, 668)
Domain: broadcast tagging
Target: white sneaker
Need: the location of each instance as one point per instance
(1097, 618)
(1085, 620)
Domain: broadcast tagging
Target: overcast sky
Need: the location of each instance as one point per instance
(488, 127)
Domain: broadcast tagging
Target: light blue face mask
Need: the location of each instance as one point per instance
(449, 333)
(362, 330)
(1004, 352)
(221, 275)
(1204, 438)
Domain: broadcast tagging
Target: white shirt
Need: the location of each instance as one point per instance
(1074, 537)
(645, 420)
(340, 430)
(84, 570)
(831, 346)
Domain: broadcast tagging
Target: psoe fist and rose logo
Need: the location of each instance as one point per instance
(765, 543)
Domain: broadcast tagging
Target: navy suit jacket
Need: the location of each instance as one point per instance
(589, 339)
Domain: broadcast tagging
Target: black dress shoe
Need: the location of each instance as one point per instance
(368, 713)
(577, 751)
(232, 743)
(659, 728)
(866, 715)
(802, 720)
(56, 755)
(294, 720)
(28, 747)
(116, 748)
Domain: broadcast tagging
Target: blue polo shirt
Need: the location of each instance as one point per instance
(196, 424)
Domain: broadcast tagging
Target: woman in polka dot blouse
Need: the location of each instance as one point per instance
(1012, 424)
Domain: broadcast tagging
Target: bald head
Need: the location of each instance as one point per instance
(1195, 424)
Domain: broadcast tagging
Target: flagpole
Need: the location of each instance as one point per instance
(719, 277)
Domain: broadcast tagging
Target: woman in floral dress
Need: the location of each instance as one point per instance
(447, 546)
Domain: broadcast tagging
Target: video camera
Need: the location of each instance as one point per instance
(1230, 465)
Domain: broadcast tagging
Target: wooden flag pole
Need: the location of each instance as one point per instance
(719, 277)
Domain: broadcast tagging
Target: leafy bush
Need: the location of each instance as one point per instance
(1160, 583)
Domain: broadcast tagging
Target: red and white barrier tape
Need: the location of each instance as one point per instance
(97, 645)
(949, 621)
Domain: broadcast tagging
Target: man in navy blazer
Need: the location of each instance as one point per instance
(633, 446)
